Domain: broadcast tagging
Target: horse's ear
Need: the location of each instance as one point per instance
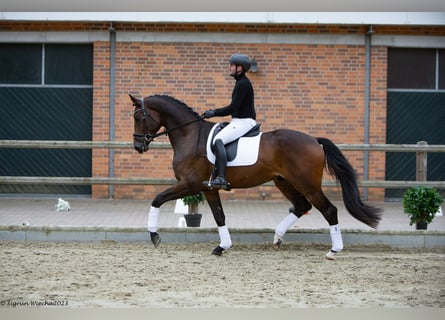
(133, 98)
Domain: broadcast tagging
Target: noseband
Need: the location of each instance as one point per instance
(149, 137)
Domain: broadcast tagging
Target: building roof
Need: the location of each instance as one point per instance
(351, 18)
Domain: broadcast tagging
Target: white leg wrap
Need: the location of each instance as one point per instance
(224, 236)
(285, 224)
(336, 238)
(153, 217)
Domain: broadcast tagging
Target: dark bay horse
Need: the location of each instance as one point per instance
(294, 161)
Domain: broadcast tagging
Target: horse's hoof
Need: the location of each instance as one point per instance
(155, 238)
(277, 245)
(218, 251)
(330, 255)
(277, 241)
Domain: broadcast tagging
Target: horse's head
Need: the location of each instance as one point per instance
(146, 124)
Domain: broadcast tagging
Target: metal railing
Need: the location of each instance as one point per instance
(421, 149)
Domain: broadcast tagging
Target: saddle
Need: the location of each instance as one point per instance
(232, 147)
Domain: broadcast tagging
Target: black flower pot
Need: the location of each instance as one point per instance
(193, 220)
(421, 225)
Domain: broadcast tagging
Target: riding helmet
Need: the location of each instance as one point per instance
(240, 59)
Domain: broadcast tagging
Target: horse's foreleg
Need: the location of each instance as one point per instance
(152, 226)
(176, 192)
(215, 204)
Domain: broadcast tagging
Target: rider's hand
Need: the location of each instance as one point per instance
(209, 114)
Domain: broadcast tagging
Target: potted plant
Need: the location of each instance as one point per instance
(421, 204)
(193, 218)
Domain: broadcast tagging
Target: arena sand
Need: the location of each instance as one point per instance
(109, 274)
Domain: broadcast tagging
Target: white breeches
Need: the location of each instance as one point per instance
(235, 129)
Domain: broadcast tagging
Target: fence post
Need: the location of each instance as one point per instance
(421, 162)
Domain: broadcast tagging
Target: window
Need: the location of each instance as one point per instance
(68, 64)
(63, 64)
(411, 68)
(20, 63)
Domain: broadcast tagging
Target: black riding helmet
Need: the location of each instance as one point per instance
(242, 60)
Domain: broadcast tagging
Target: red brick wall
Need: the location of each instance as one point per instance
(314, 88)
(318, 89)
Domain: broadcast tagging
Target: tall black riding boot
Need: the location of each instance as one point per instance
(220, 163)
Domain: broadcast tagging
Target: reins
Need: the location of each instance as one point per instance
(166, 132)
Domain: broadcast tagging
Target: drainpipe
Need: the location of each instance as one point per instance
(112, 114)
(367, 106)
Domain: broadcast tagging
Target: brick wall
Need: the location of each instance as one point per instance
(314, 88)
(317, 89)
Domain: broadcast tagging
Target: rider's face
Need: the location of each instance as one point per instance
(233, 70)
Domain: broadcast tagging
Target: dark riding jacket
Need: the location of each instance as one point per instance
(242, 105)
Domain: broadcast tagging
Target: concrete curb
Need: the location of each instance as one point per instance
(398, 239)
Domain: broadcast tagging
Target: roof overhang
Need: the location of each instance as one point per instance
(336, 18)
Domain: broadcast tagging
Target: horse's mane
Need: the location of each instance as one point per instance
(167, 97)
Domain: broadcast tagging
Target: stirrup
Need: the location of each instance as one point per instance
(210, 185)
(220, 182)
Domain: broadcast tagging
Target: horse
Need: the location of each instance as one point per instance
(293, 160)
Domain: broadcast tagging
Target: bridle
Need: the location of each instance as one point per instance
(149, 137)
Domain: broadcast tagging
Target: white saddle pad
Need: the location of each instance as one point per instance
(246, 155)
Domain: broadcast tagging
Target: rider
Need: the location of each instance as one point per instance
(242, 110)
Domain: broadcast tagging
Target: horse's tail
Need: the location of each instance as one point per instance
(339, 167)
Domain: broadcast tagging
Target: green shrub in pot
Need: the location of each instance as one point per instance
(421, 204)
(193, 201)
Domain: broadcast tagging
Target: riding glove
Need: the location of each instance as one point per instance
(209, 113)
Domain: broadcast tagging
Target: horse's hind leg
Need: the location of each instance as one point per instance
(329, 212)
(215, 204)
(300, 207)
